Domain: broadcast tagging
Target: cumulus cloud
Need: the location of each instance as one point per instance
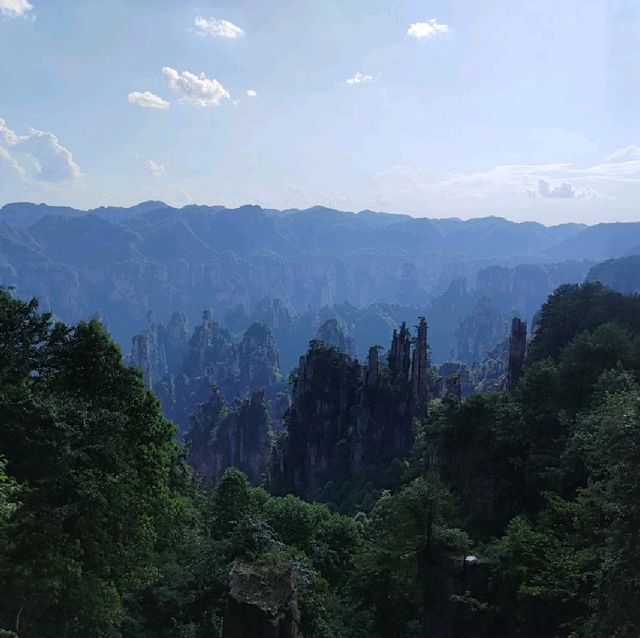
(562, 191)
(157, 170)
(52, 161)
(37, 155)
(427, 29)
(9, 164)
(251, 93)
(196, 89)
(217, 28)
(7, 136)
(15, 8)
(148, 100)
(359, 78)
(624, 154)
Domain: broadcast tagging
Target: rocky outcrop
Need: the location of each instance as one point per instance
(371, 372)
(145, 356)
(223, 436)
(454, 381)
(262, 601)
(148, 353)
(210, 350)
(256, 359)
(332, 333)
(491, 374)
(174, 339)
(159, 351)
(517, 351)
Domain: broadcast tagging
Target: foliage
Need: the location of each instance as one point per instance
(405, 531)
(104, 532)
(96, 463)
(572, 309)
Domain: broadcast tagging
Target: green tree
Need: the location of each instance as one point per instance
(96, 460)
(400, 566)
(573, 309)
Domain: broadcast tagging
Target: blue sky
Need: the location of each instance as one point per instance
(528, 110)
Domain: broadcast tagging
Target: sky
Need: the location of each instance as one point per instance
(528, 110)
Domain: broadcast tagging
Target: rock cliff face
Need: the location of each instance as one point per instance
(346, 419)
(420, 366)
(159, 351)
(399, 358)
(479, 332)
(491, 374)
(223, 436)
(262, 601)
(174, 339)
(524, 288)
(332, 333)
(501, 367)
(455, 381)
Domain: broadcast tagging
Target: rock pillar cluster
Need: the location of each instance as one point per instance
(346, 418)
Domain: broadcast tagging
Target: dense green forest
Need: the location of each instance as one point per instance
(518, 513)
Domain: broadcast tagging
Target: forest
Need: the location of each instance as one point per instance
(512, 513)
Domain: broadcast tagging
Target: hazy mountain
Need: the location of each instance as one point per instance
(602, 241)
(123, 262)
(622, 275)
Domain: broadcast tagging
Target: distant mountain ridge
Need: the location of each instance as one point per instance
(313, 226)
(120, 263)
(25, 214)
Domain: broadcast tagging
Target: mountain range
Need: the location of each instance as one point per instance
(120, 263)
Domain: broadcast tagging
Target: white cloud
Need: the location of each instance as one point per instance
(251, 93)
(561, 191)
(148, 100)
(15, 8)
(196, 89)
(157, 170)
(360, 78)
(551, 192)
(7, 161)
(508, 185)
(38, 155)
(7, 136)
(427, 29)
(624, 153)
(217, 28)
